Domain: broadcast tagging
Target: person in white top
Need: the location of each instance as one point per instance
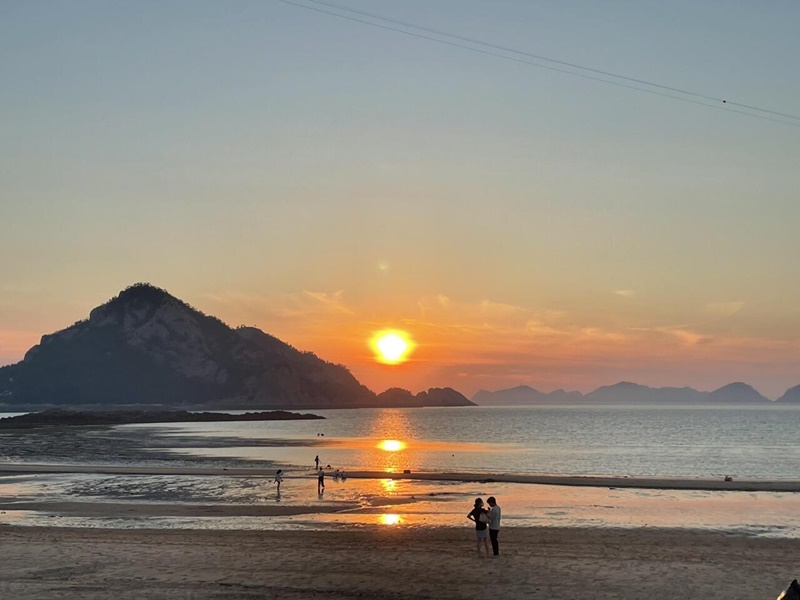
(494, 524)
(279, 479)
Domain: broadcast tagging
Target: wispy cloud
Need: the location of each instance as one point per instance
(626, 293)
(326, 301)
(685, 336)
(723, 309)
(268, 308)
(491, 331)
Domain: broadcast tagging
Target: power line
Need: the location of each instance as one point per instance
(694, 97)
(551, 60)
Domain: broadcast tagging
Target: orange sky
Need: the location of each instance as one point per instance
(489, 345)
(485, 344)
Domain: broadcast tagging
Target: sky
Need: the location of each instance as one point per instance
(322, 178)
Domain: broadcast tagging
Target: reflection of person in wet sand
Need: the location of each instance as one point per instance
(320, 481)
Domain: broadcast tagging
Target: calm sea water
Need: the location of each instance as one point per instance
(667, 441)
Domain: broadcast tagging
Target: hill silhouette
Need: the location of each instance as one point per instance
(626, 392)
(791, 395)
(146, 347)
(433, 397)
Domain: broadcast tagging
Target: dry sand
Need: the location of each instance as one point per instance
(390, 563)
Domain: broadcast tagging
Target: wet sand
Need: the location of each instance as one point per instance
(390, 563)
(101, 510)
(656, 483)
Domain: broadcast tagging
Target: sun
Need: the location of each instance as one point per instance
(392, 346)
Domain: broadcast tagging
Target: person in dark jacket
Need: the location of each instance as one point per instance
(480, 516)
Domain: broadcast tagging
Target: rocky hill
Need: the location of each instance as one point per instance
(146, 347)
(791, 395)
(735, 393)
(433, 397)
(524, 394)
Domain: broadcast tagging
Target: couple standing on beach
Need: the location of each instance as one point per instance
(487, 524)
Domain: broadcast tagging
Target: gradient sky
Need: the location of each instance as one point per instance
(320, 178)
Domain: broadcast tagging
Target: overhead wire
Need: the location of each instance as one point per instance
(551, 60)
(694, 97)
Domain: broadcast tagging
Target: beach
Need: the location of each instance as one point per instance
(118, 534)
(390, 563)
(193, 512)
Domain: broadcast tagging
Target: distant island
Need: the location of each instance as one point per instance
(147, 348)
(626, 392)
(58, 417)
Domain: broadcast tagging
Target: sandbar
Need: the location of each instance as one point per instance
(656, 483)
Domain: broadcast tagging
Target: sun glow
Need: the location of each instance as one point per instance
(387, 519)
(392, 346)
(388, 485)
(391, 445)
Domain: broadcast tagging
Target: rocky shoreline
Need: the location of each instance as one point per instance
(60, 418)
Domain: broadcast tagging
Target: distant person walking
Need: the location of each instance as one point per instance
(316, 462)
(480, 516)
(279, 479)
(320, 481)
(494, 524)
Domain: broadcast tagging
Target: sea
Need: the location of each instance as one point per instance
(748, 442)
(706, 442)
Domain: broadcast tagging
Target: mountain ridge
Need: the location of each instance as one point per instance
(626, 392)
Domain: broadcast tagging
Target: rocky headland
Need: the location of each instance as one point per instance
(146, 347)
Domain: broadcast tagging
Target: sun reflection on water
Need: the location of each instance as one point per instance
(387, 519)
(391, 445)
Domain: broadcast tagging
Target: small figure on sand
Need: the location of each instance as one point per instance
(320, 481)
(344, 475)
(316, 462)
(480, 516)
(279, 479)
(336, 475)
(494, 524)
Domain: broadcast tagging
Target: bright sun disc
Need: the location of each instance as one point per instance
(391, 346)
